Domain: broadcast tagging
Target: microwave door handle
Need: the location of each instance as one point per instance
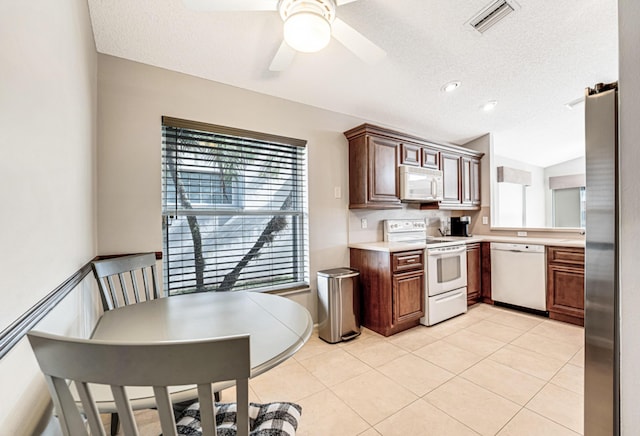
(434, 188)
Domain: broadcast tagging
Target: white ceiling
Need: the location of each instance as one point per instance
(533, 62)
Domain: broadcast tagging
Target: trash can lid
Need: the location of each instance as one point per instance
(338, 272)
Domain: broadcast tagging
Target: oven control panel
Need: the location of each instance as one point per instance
(395, 226)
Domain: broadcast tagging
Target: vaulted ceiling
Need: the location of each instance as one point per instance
(533, 62)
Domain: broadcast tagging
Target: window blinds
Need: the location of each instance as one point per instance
(234, 209)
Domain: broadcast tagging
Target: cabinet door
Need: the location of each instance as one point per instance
(382, 166)
(408, 296)
(470, 177)
(565, 293)
(475, 182)
(430, 158)
(565, 284)
(474, 273)
(450, 165)
(410, 154)
(466, 180)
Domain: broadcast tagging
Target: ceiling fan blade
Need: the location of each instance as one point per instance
(344, 2)
(232, 5)
(283, 58)
(356, 42)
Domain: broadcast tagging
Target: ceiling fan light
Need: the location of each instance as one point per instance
(307, 32)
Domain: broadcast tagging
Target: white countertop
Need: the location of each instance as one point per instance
(391, 247)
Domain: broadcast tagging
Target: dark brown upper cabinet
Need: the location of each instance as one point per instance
(430, 158)
(375, 154)
(410, 154)
(373, 172)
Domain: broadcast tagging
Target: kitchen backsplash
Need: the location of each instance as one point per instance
(374, 221)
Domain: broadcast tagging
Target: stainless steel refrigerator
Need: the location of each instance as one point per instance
(601, 324)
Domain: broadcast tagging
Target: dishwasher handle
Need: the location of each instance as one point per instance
(517, 248)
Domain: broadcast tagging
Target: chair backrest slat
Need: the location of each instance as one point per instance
(134, 281)
(145, 283)
(126, 290)
(207, 411)
(109, 293)
(90, 409)
(125, 413)
(157, 292)
(157, 364)
(71, 423)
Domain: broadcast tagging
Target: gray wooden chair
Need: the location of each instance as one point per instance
(119, 278)
(159, 365)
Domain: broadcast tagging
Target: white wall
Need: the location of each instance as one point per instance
(375, 221)
(504, 202)
(47, 170)
(629, 31)
(133, 97)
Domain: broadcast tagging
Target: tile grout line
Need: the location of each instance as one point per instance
(520, 407)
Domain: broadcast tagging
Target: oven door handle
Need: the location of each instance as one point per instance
(436, 252)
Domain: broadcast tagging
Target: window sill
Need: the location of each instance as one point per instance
(290, 291)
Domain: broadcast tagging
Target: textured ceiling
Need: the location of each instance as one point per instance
(533, 62)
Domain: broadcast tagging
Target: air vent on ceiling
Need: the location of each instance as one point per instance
(492, 14)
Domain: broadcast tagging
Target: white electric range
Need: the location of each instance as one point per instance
(445, 269)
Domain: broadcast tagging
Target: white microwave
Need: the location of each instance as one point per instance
(420, 184)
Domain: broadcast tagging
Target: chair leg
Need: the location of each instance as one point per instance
(115, 423)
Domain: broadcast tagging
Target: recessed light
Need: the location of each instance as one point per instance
(489, 106)
(450, 86)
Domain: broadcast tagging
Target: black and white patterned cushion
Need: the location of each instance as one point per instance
(270, 419)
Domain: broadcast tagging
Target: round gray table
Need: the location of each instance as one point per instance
(278, 327)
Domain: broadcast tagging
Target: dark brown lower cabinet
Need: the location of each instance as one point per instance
(392, 286)
(474, 273)
(485, 265)
(408, 291)
(565, 284)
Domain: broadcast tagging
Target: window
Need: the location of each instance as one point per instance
(205, 188)
(569, 207)
(234, 206)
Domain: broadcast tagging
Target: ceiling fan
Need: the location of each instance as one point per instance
(308, 26)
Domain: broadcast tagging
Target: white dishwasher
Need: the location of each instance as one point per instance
(518, 275)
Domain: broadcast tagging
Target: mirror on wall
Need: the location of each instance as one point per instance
(529, 196)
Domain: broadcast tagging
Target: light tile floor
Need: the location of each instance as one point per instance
(491, 371)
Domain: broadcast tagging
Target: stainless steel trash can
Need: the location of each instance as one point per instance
(338, 304)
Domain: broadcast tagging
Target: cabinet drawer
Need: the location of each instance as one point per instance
(407, 260)
(565, 255)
